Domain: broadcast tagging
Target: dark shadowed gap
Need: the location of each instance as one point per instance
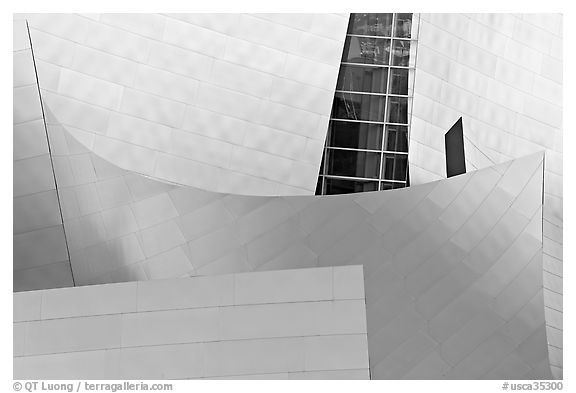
(454, 143)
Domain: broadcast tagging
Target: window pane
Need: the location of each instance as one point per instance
(401, 53)
(397, 110)
(358, 107)
(338, 186)
(371, 24)
(403, 25)
(394, 167)
(390, 185)
(366, 50)
(396, 138)
(353, 163)
(358, 24)
(386, 186)
(399, 81)
(366, 79)
(355, 135)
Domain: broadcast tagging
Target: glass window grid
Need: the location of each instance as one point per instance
(382, 151)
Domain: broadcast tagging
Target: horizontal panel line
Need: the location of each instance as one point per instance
(554, 274)
(552, 308)
(553, 291)
(22, 50)
(193, 343)
(31, 157)
(41, 266)
(283, 372)
(27, 121)
(216, 306)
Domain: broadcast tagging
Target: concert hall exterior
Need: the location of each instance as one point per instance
(265, 196)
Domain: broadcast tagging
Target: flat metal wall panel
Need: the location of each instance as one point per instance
(114, 331)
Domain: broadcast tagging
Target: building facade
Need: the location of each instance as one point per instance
(151, 147)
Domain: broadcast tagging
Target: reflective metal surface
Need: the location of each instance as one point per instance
(452, 268)
(502, 73)
(424, 251)
(289, 324)
(40, 255)
(179, 94)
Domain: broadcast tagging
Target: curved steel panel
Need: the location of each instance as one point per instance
(453, 268)
(503, 74)
(242, 100)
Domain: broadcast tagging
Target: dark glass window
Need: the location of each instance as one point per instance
(372, 89)
(339, 186)
(366, 50)
(401, 53)
(371, 24)
(398, 81)
(355, 135)
(387, 185)
(403, 25)
(394, 167)
(397, 110)
(358, 107)
(353, 163)
(396, 138)
(361, 78)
